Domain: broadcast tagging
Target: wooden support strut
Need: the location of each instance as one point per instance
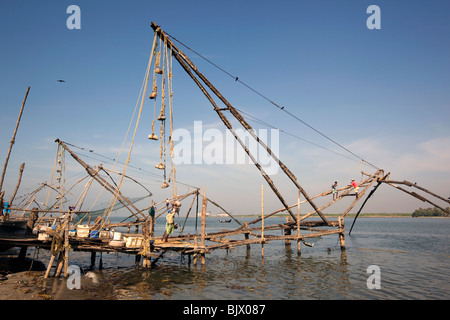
(361, 193)
(13, 139)
(124, 200)
(364, 203)
(22, 166)
(410, 184)
(185, 62)
(228, 125)
(389, 182)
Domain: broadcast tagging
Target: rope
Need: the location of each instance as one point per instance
(295, 136)
(236, 78)
(136, 127)
(170, 86)
(139, 170)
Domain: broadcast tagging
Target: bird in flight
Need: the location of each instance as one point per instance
(61, 81)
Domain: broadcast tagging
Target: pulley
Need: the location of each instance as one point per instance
(161, 117)
(158, 70)
(153, 136)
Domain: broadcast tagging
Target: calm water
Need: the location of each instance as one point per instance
(413, 256)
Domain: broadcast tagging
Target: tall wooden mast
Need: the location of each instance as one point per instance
(191, 68)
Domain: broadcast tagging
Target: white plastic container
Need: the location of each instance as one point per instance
(117, 243)
(43, 236)
(117, 236)
(83, 231)
(105, 235)
(133, 242)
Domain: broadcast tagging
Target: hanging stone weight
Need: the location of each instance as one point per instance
(160, 166)
(153, 94)
(164, 185)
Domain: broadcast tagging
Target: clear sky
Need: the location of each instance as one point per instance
(382, 93)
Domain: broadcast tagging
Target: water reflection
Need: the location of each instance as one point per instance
(412, 267)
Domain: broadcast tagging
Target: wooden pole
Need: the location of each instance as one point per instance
(49, 267)
(246, 234)
(342, 233)
(362, 192)
(94, 174)
(59, 264)
(410, 184)
(298, 224)
(187, 66)
(22, 166)
(203, 226)
(262, 221)
(415, 195)
(183, 60)
(287, 232)
(13, 139)
(362, 206)
(66, 246)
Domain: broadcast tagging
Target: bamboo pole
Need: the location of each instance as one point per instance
(218, 206)
(368, 197)
(246, 234)
(22, 166)
(298, 225)
(204, 204)
(179, 55)
(201, 254)
(415, 195)
(262, 221)
(93, 173)
(184, 62)
(287, 232)
(13, 139)
(117, 194)
(410, 184)
(361, 193)
(187, 214)
(341, 233)
(66, 246)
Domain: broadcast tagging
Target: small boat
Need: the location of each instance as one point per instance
(224, 221)
(13, 227)
(10, 229)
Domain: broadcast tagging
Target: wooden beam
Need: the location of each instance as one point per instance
(122, 199)
(415, 195)
(179, 55)
(13, 139)
(410, 184)
(368, 197)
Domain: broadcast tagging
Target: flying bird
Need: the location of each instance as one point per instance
(61, 81)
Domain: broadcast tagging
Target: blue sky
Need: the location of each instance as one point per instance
(383, 94)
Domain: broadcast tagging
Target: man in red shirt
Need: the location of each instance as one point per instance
(355, 187)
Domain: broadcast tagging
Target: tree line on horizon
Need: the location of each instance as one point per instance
(431, 212)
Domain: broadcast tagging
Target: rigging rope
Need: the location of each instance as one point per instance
(236, 78)
(136, 127)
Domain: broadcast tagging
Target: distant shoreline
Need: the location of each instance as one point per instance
(352, 215)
